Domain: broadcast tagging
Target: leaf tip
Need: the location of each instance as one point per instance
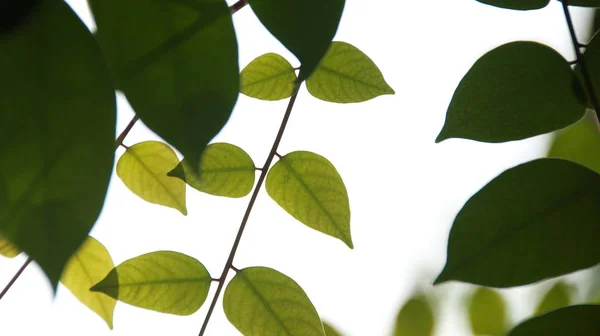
(441, 278)
(441, 137)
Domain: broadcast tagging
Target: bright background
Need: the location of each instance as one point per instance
(404, 189)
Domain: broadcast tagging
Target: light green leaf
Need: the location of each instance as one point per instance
(164, 281)
(557, 296)
(579, 142)
(225, 170)
(309, 188)
(507, 95)
(176, 62)
(534, 221)
(57, 123)
(487, 312)
(305, 27)
(346, 75)
(415, 318)
(330, 331)
(268, 77)
(89, 265)
(517, 4)
(262, 301)
(7, 249)
(574, 320)
(144, 167)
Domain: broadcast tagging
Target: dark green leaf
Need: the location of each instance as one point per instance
(176, 61)
(487, 312)
(517, 4)
(557, 296)
(346, 75)
(592, 59)
(581, 320)
(330, 331)
(305, 27)
(57, 123)
(508, 95)
(415, 318)
(579, 142)
(308, 187)
(268, 77)
(263, 301)
(534, 221)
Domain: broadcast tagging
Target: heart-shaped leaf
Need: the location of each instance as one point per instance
(268, 77)
(487, 312)
(558, 296)
(415, 318)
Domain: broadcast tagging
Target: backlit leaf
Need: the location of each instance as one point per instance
(225, 170)
(89, 265)
(346, 75)
(517, 4)
(557, 296)
(415, 318)
(330, 331)
(574, 320)
(534, 221)
(261, 301)
(57, 123)
(164, 281)
(487, 312)
(309, 188)
(508, 95)
(7, 249)
(268, 77)
(579, 142)
(144, 167)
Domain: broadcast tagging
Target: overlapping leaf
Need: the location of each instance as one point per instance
(517, 4)
(309, 188)
(487, 312)
(268, 77)
(573, 320)
(164, 281)
(346, 75)
(558, 296)
(415, 318)
(7, 249)
(57, 123)
(579, 142)
(534, 221)
(262, 301)
(144, 167)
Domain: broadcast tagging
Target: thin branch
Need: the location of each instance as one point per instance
(263, 175)
(121, 137)
(238, 5)
(15, 277)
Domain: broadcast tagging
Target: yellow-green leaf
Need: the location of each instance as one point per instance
(330, 331)
(579, 142)
(7, 249)
(347, 75)
(557, 296)
(415, 318)
(487, 312)
(164, 281)
(308, 187)
(261, 301)
(268, 77)
(144, 167)
(86, 267)
(225, 170)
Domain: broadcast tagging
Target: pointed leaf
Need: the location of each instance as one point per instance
(7, 249)
(579, 142)
(487, 312)
(309, 188)
(225, 170)
(574, 320)
(517, 4)
(268, 77)
(534, 221)
(330, 331)
(57, 122)
(347, 75)
(89, 265)
(557, 296)
(177, 63)
(305, 27)
(415, 318)
(262, 301)
(507, 95)
(164, 281)
(144, 167)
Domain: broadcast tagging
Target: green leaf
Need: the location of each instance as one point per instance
(557, 296)
(534, 221)
(592, 61)
(487, 312)
(57, 123)
(574, 320)
(415, 318)
(268, 77)
(7, 249)
(347, 75)
(177, 63)
(579, 142)
(305, 27)
(263, 301)
(330, 331)
(225, 170)
(144, 167)
(517, 4)
(507, 95)
(309, 188)
(164, 281)
(89, 265)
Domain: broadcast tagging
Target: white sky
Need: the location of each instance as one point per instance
(404, 189)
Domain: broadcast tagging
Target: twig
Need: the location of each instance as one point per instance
(15, 277)
(237, 6)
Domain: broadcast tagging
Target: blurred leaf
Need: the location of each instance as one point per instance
(520, 228)
(309, 188)
(7, 249)
(330, 331)
(487, 312)
(592, 60)
(581, 320)
(225, 170)
(15, 13)
(584, 3)
(305, 27)
(517, 4)
(89, 265)
(593, 292)
(263, 301)
(415, 318)
(57, 128)
(268, 77)
(579, 142)
(507, 95)
(558, 296)
(176, 62)
(164, 281)
(144, 167)
(347, 75)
